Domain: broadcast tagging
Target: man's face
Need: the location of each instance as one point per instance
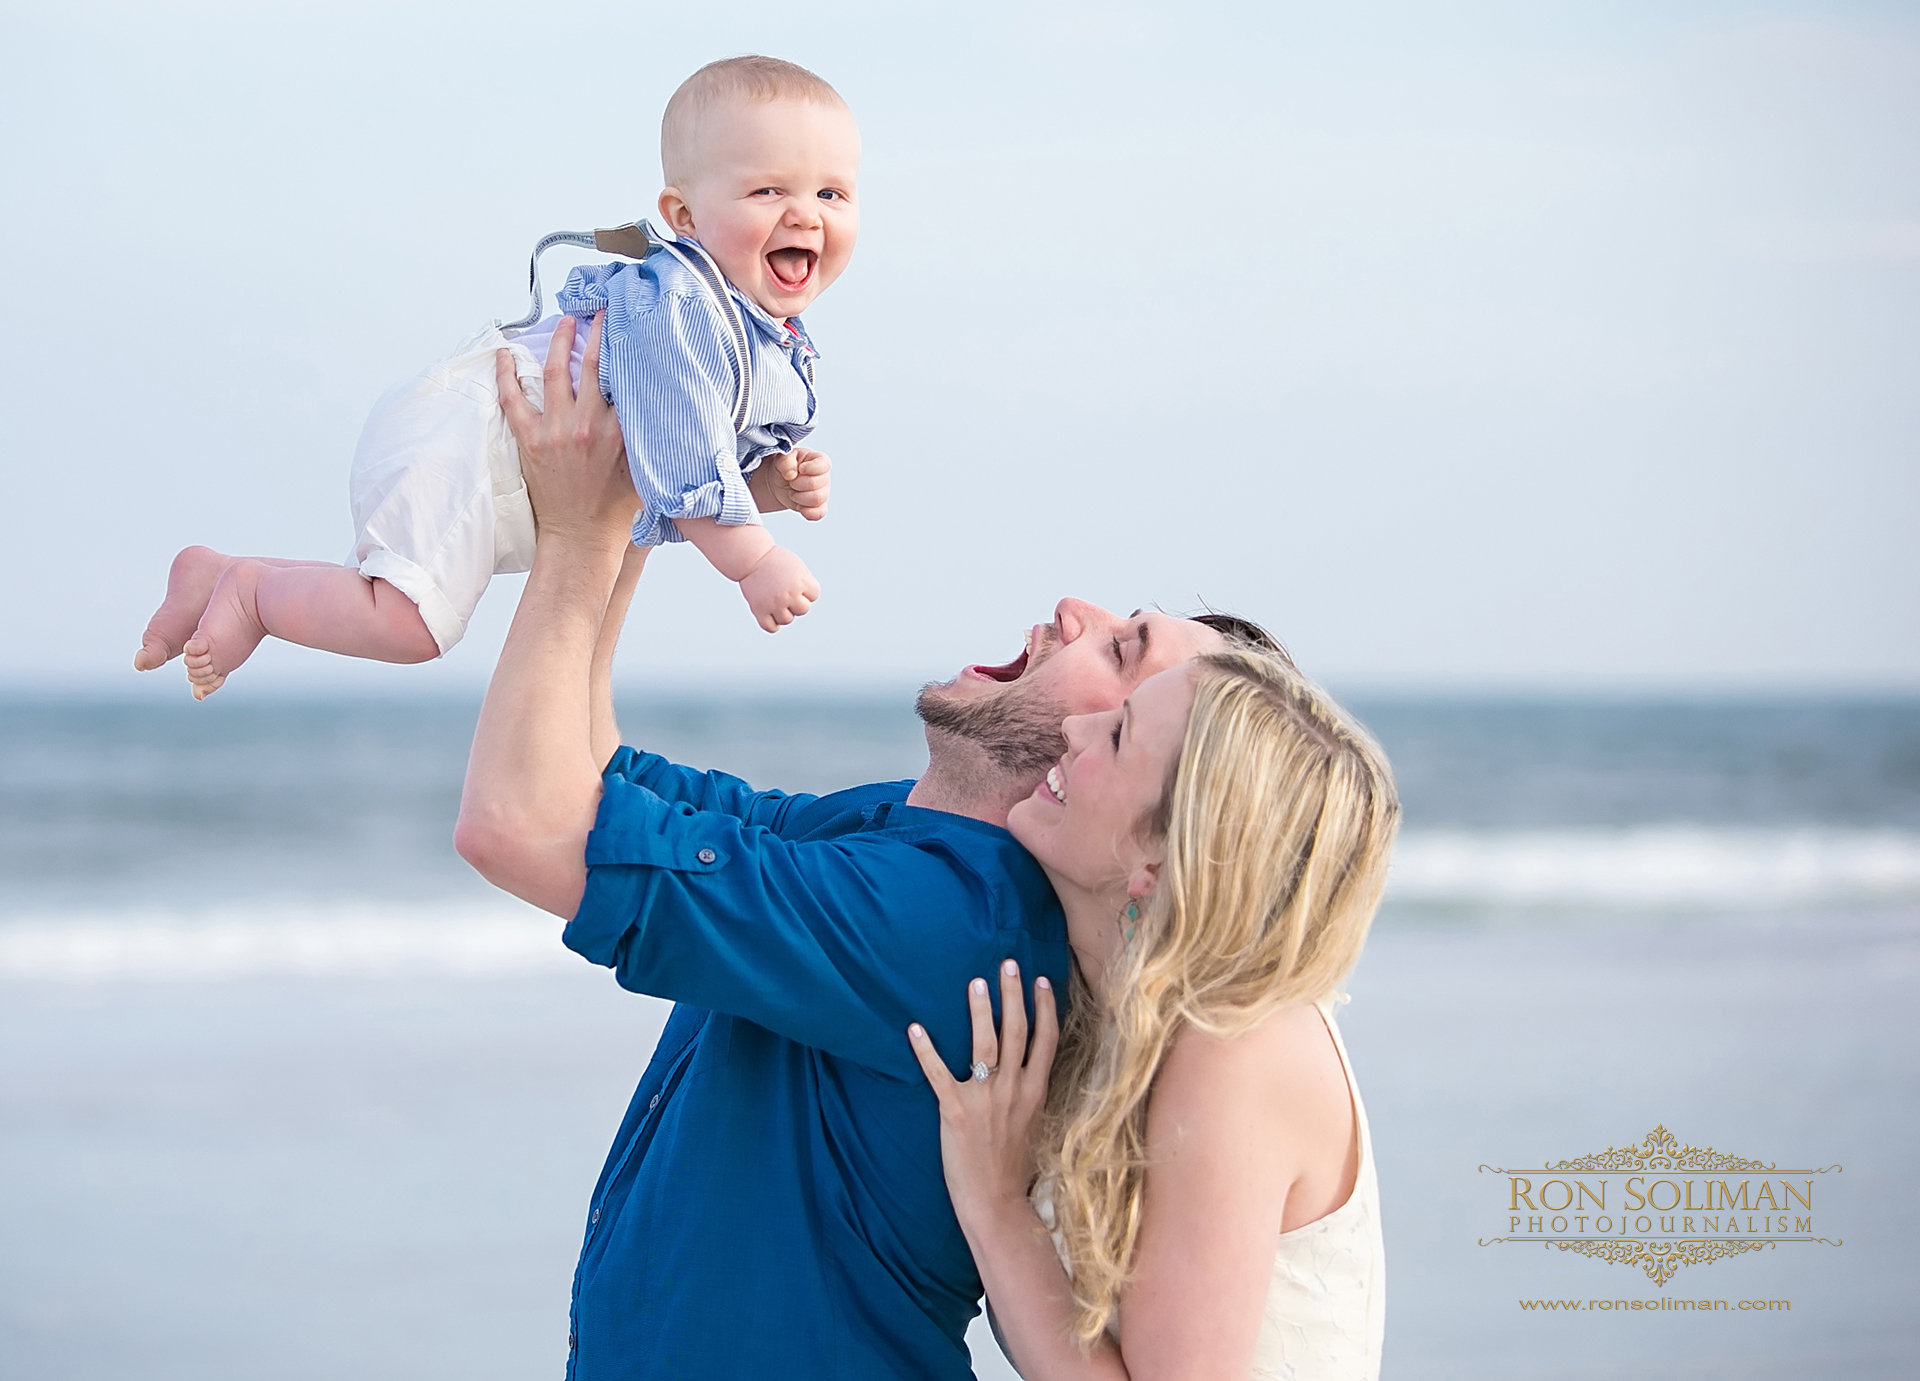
(1084, 662)
(771, 198)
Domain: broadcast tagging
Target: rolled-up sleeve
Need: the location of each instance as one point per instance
(823, 942)
(670, 374)
(715, 791)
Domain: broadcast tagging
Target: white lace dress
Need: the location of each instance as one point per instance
(1326, 1301)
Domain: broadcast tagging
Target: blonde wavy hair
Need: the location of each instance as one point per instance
(1278, 820)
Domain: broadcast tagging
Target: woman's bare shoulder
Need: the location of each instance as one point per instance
(1283, 1070)
(1272, 1101)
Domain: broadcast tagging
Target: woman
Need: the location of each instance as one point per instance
(1219, 844)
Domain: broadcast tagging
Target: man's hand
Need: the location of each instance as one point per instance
(798, 480)
(571, 453)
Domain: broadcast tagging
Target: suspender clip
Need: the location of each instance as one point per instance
(636, 240)
(629, 241)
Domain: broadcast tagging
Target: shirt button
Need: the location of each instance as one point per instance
(706, 855)
(653, 1102)
(596, 1218)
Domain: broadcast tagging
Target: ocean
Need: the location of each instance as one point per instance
(285, 1090)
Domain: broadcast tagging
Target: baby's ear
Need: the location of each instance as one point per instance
(675, 211)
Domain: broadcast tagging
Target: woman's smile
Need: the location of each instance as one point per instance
(1056, 782)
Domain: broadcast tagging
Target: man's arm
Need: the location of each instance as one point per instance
(720, 792)
(533, 777)
(834, 944)
(606, 731)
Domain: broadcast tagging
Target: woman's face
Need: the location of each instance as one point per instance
(1083, 822)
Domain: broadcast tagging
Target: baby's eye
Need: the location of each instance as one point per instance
(766, 192)
(829, 194)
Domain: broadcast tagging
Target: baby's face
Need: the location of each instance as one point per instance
(772, 198)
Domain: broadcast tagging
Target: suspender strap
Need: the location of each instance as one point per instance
(708, 272)
(583, 238)
(637, 240)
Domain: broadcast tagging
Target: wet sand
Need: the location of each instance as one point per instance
(374, 1177)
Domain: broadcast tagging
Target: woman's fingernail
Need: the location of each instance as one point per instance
(915, 1032)
(1041, 982)
(1009, 968)
(979, 986)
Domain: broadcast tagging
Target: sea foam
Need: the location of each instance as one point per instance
(493, 940)
(1657, 867)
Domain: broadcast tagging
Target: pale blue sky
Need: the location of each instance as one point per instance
(1487, 345)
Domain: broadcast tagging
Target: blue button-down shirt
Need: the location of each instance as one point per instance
(667, 367)
(773, 1204)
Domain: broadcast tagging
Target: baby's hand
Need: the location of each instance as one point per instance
(798, 480)
(779, 588)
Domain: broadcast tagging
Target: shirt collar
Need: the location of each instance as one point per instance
(770, 328)
(894, 815)
(773, 329)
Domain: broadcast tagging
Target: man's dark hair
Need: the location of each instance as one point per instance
(1241, 632)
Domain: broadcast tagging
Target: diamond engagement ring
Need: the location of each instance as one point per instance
(981, 1071)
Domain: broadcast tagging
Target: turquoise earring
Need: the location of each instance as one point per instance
(1132, 913)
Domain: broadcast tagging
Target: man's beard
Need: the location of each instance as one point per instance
(1019, 732)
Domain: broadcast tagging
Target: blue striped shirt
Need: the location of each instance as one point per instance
(667, 368)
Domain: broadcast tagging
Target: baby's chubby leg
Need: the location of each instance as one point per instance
(777, 584)
(333, 608)
(190, 582)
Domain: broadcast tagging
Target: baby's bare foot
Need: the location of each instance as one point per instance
(229, 630)
(189, 586)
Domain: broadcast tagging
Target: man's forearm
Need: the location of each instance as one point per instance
(533, 779)
(606, 728)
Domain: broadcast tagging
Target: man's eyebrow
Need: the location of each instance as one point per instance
(1142, 632)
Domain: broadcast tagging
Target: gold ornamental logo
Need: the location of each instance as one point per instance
(1659, 1205)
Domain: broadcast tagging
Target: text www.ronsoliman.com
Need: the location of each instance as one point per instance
(1667, 1305)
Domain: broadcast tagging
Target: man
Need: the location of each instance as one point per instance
(773, 1203)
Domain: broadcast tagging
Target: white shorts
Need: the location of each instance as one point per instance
(439, 505)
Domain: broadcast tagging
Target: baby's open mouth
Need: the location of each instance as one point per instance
(792, 269)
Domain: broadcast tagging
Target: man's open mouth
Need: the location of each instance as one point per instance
(792, 269)
(1035, 650)
(1006, 671)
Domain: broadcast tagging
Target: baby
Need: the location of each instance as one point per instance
(702, 356)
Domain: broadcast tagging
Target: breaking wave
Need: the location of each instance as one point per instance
(498, 939)
(1664, 866)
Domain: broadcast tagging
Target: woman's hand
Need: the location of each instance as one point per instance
(571, 452)
(986, 1125)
